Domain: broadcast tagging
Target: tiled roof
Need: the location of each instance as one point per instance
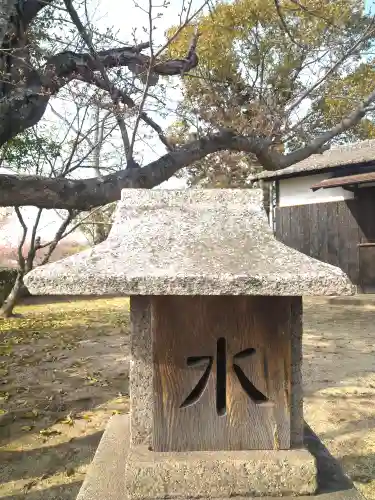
(349, 154)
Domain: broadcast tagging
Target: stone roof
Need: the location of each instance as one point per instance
(190, 242)
(348, 154)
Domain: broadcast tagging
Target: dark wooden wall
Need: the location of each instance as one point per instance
(329, 232)
(366, 210)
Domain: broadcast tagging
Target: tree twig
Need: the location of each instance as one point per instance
(88, 40)
(369, 32)
(21, 259)
(284, 25)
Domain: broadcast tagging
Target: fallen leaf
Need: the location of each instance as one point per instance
(31, 414)
(68, 420)
(26, 428)
(49, 432)
(70, 471)
(4, 396)
(92, 380)
(29, 485)
(119, 400)
(46, 475)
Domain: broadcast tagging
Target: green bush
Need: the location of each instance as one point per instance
(7, 278)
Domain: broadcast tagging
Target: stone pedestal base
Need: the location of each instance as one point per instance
(219, 474)
(106, 480)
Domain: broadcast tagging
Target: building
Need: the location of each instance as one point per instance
(324, 207)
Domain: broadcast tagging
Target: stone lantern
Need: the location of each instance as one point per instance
(216, 332)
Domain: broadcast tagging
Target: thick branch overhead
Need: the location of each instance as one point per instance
(24, 101)
(25, 91)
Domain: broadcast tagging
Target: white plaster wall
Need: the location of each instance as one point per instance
(297, 191)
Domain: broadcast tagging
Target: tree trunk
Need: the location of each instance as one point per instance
(99, 229)
(6, 310)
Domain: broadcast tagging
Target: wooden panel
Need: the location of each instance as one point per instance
(222, 372)
(343, 233)
(303, 228)
(367, 268)
(366, 216)
(332, 235)
(351, 231)
(314, 231)
(279, 229)
(283, 224)
(323, 232)
(329, 232)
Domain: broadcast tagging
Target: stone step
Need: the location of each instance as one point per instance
(105, 479)
(354, 300)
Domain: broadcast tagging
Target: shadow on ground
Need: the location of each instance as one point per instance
(339, 378)
(64, 492)
(64, 372)
(360, 467)
(48, 460)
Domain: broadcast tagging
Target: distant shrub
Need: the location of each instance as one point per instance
(7, 279)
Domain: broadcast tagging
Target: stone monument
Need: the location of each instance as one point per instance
(216, 343)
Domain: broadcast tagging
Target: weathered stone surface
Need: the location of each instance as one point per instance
(219, 474)
(296, 408)
(190, 242)
(141, 371)
(106, 480)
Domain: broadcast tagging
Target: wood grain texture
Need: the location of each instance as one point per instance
(366, 209)
(350, 232)
(314, 231)
(185, 327)
(367, 269)
(329, 232)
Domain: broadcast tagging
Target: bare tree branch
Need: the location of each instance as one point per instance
(21, 259)
(284, 25)
(84, 194)
(22, 104)
(34, 245)
(31, 8)
(312, 13)
(370, 31)
(63, 67)
(147, 84)
(316, 144)
(142, 114)
(60, 234)
(109, 87)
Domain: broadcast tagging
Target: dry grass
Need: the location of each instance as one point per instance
(339, 375)
(64, 372)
